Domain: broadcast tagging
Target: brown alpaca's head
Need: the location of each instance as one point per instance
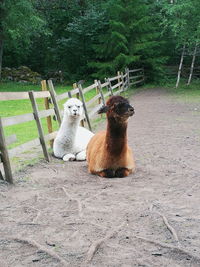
(117, 107)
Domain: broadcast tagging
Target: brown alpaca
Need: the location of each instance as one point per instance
(108, 154)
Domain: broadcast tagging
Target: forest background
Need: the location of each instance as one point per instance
(94, 39)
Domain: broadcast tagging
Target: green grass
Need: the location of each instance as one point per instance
(20, 87)
(24, 131)
(184, 93)
(28, 131)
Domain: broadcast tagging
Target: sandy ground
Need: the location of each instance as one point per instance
(59, 215)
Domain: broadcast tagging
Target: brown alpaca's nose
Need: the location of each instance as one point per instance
(131, 110)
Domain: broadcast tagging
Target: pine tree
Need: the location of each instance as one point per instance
(145, 42)
(129, 41)
(112, 48)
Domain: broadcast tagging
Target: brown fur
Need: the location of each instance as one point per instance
(108, 153)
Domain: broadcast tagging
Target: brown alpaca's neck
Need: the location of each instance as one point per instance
(116, 136)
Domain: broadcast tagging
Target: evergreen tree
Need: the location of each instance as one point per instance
(75, 46)
(145, 41)
(112, 47)
(130, 40)
(18, 24)
(98, 38)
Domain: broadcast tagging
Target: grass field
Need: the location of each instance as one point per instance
(187, 93)
(28, 131)
(183, 93)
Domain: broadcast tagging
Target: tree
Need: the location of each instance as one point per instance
(182, 19)
(130, 39)
(145, 41)
(74, 48)
(90, 38)
(19, 22)
(111, 48)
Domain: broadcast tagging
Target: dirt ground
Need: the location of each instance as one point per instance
(59, 215)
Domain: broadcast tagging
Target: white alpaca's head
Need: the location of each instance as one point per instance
(73, 108)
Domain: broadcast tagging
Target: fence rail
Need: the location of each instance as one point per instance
(101, 91)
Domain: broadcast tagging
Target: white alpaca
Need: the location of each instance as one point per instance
(71, 140)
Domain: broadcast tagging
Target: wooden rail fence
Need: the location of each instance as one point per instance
(101, 91)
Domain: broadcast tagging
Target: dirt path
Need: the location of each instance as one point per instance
(59, 215)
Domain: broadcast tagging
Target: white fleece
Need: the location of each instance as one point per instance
(71, 140)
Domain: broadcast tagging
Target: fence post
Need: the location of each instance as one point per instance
(143, 73)
(39, 125)
(122, 78)
(1, 176)
(69, 94)
(55, 103)
(110, 86)
(128, 77)
(84, 106)
(5, 156)
(75, 86)
(46, 104)
(105, 79)
(100, 91)
(97, 91)
(118, 80)
(77, 96)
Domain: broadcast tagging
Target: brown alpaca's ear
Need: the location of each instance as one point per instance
(103, 109)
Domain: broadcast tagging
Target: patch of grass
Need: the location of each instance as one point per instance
(28, 131)
(24, 131)
(17, 107)
(18, 87)
(21, 87)
(191, 91)
(184, 93)
(30, 158)
(98, 121)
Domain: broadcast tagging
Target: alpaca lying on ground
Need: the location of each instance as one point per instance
(71, 140)
(108, 153)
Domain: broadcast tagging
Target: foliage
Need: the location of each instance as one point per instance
(178, 19)
(130, 40)
(89, 38)
(26, 131)
(77, 39)
(20, 24)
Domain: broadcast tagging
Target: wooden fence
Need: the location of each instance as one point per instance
(101, 91)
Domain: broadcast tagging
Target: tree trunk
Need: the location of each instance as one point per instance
(180, 66)
(192, 64)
